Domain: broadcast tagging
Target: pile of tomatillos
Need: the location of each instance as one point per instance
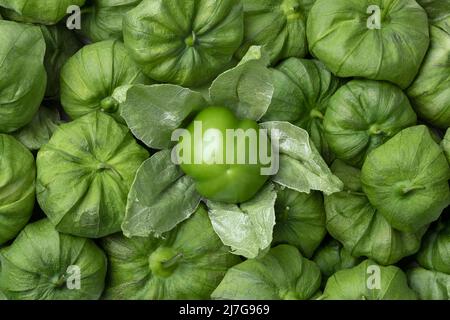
(100, 98)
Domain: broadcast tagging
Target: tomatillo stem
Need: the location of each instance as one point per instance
(109, 104)
(172, 261)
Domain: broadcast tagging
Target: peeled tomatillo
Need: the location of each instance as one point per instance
(222, 154)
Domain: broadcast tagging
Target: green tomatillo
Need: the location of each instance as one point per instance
(226, 156)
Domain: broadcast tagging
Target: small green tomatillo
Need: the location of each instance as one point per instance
(225, 155)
